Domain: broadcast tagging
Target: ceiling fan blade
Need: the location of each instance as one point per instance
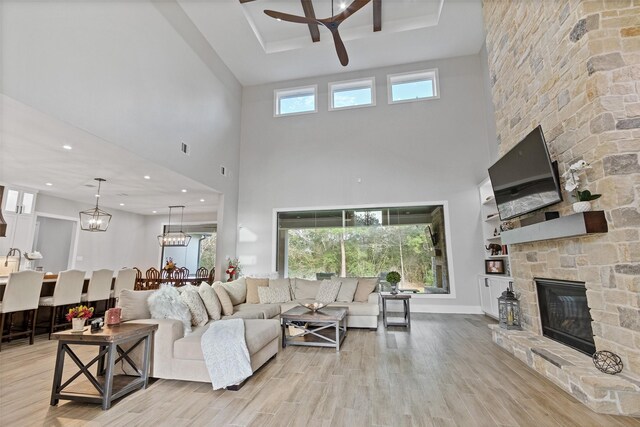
(350, 10)
(291, 18)
(340, 49)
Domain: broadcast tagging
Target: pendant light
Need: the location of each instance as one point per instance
(95, 219)
(174, 238)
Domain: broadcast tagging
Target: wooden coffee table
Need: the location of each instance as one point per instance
(108, 340)
(311, 324)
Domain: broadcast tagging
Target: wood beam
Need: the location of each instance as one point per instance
(307, 6)
(377, 15)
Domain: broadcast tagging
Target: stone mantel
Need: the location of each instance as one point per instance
(567, 226)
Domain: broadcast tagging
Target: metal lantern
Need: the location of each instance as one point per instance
(174, 238)
(95, 219)
(509, 309)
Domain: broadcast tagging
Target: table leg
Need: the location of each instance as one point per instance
(57, 374)
(108, 379)
(146, 359)
(384, 312)
(408, 308)
(284, 333)
(101, 362)
(337, 337)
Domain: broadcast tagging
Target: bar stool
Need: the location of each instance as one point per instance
(21, 293)
(126, 279)
(68, 291)
(99, 288)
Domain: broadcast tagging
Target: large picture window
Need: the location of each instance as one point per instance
(367, 243)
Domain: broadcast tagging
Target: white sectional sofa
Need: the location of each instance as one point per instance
(179, 356)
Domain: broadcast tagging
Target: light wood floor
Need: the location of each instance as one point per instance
(444, 372)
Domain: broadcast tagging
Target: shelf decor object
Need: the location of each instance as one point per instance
(509, 309)
(607, 362)
(95, 219)
(174, 238)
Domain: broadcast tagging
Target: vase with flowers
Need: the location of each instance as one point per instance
(78, 315)
(572, 184)
(233, 268)
(169, 266)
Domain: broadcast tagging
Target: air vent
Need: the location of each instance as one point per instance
(223, 171)
(90, 185)
(184, 148)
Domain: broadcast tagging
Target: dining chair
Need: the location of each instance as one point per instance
(126, 279)
(212, 274)
(202, 273)
(99, 288)
(179, 276)
(153, 278)
(67, 291)
(21, 293)
(139, 281)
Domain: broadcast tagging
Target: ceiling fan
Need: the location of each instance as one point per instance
(332, 23)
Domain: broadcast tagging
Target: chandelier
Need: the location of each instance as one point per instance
(174, 238)
(95, 219)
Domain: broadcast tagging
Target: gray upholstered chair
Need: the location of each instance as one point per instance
(126, 279)
(21, 293)
(68, 291)
(99, 288)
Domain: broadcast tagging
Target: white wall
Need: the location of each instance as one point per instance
(408, 153)
(136, 74)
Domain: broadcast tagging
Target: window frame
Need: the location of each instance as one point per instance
(414, 76)
(301, 90)
(352, 84)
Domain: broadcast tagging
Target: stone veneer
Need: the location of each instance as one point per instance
(574, 67)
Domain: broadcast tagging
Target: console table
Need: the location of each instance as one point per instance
(108, 341)
(405, 304)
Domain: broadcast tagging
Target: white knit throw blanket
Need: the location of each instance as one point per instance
(225, 353)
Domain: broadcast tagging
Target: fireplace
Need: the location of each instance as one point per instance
(564, 313)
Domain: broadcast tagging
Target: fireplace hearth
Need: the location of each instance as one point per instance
(564, 313)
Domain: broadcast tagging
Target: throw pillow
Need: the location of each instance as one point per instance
(275, 295)
(225, 301)
(134, 305)
(306, 289)
(252, 289)
(328, 291)
(166, 303)
(237, 290)
(282, 283)
(210, 301)
(365, 287)
(191, 297)
(347, 289)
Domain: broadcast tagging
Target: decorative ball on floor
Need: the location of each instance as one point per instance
(607, 362)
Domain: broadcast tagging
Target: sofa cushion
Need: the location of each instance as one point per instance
(223, 297)
(237, 290)
(191, 297)
(257, 333)
(268, 310)
(269, 295)
(305, 289)
(210, 301)
(365, 287)
(252, 289)
(134, 305)
(347, 289)
(328, 291)
(358, 308)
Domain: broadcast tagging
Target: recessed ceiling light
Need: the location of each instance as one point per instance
(48, 184)
(121, 204)
(154, 211)
(67, 147)
(202, 200)
(278, 19)
(147, 177)
(184, 190)
(343, 5)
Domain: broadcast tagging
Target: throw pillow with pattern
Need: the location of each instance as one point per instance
(269, 295)
(191, 297)
(328, 291)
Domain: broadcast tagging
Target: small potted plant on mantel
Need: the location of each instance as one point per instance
(78, 315)
(572, 184)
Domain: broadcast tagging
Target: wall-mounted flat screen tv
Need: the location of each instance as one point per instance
(524, 179)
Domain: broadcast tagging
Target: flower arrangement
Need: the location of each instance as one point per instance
(393, 277)
(169, 264)
(572, 182)
(80, 312)
(233, 266)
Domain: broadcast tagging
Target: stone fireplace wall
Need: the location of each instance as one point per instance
(573, 66)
